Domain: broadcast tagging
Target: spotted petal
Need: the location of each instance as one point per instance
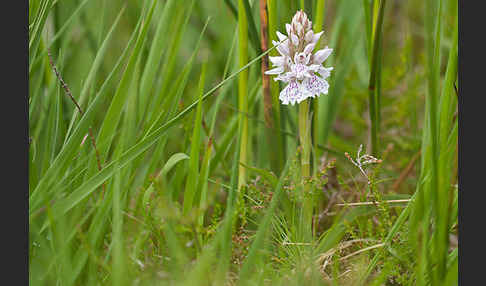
(292, 93)
(314, 86)
(284, 77)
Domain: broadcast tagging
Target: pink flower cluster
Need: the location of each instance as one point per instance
(297, 65)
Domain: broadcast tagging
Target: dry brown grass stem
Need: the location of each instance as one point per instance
(296, 243)
(325, 258)
(267, 98)
(68, 93)
(361, 250)
(406, 172)
(341, 246)
(372, 203)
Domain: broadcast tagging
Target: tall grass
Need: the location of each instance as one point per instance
(374, 87)
(243, 89)
(169, 173)
(278, 120)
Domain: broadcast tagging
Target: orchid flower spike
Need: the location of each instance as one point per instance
(297, 65)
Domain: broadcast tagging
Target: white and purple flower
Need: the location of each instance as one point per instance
(297, 65)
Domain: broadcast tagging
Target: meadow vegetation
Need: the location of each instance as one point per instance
(160, 153)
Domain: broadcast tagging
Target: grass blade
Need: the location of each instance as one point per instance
(191, 183)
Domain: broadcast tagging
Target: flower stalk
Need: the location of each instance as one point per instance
(301, 69)
(304, 135)
(305, 145)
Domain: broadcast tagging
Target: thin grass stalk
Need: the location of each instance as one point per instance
(318, 24)
(375, 14)
(378, 88)
(192, 178)
(243, 90)
(203, 181)
(117, 240)
(368, 25)
(214, 116)
(372, 83)
(68, 93)
(254, 41)
(252, 30)
(319, 18)
(156, 51)
(275, 92)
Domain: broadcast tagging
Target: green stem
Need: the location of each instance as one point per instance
(377, 33)
(318, 23)
(305, 144)
(304, 137)
(274, 90)
(368, 22)
(243, 90)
